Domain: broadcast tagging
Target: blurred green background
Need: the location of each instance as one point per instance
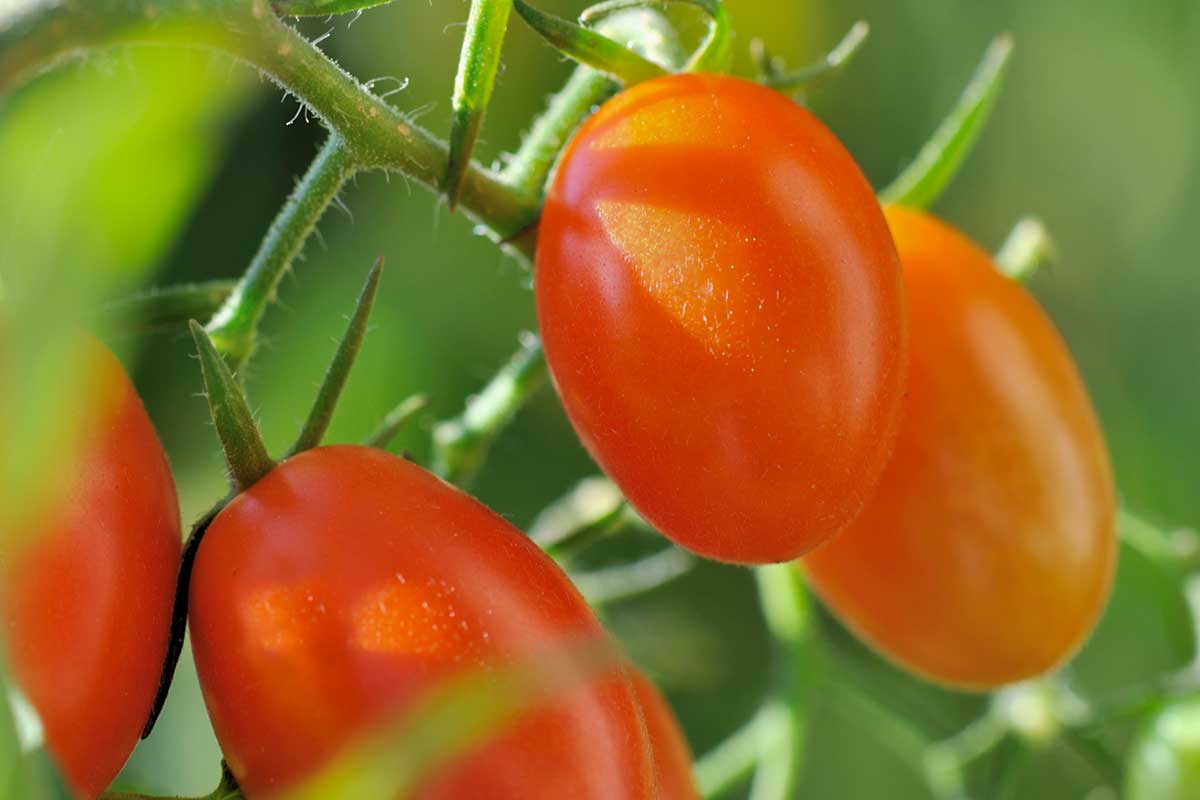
(160, 167)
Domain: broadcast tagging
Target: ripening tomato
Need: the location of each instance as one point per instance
(672, 756)
(1164, 763)
(723, 315)
(87, 593)
(987, 553)
(346, 582)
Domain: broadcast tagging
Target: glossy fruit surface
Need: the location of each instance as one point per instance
(338, 588)
(723, 315)
(672, 756)
(87, 594)
(987, 553)
(1165, 761)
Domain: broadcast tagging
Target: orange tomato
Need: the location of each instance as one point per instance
(347, 582)
(723, 315)
(986, 555)
(87, 596)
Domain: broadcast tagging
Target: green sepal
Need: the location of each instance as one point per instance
(321, 414)
(245, 454)
(922, 181)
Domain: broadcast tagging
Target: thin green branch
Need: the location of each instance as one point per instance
(245, 453)
(1027, 249)
(828, 65)
(477, 65)
(322, 410)
(920, 184)
(589, 47)
(395, 421)
(460, 444)
(233, 328)
(624, 581)
(734, 760)
(378, 135)
(167, 307)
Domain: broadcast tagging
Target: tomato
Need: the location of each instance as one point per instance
(346, 582)
(87, 595)
(723, 315)
(672, 756)
(1164, 763)
(987, 553)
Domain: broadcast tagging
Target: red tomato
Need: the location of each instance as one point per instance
(987, 553)
(87, 595)
(347, 581)
(672, 756)
(723, 315)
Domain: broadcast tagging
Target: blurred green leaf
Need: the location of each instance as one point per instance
(446, 723)
(1148, 606)
(12, 768)
(1164, 763)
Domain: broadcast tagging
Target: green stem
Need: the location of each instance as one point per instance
(235, 324)
(644, 31)
(460, 444)
(733, 761)
(478, 61)
(788, 616)
(621, 582)
(377, 135)
(323, 407)
(395, 421)
(168, 306)
(1027, 249)
(245, 453)
(829, 64)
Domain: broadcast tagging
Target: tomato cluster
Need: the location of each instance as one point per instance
(769, 366)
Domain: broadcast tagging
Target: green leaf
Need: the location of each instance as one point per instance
(589, 47)
(1164, 763)
(1149, 606)
(447, 722)
(321, 8)
(922, 182)
(477, 64)
(339, 369)
(245, 454)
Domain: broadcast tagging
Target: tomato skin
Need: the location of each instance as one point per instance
(723, 315)
(87, 599)
(345, 582)
(987, 553)
(1164, 763)
(672, 756)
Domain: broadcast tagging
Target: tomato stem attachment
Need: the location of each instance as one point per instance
(713, 54)
(1027, 249)
(645, 32)
(923, 180)
(589, 47)
(396, 420)
(477, 65)
(461, 444)
(245, 454)
(338, 373)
